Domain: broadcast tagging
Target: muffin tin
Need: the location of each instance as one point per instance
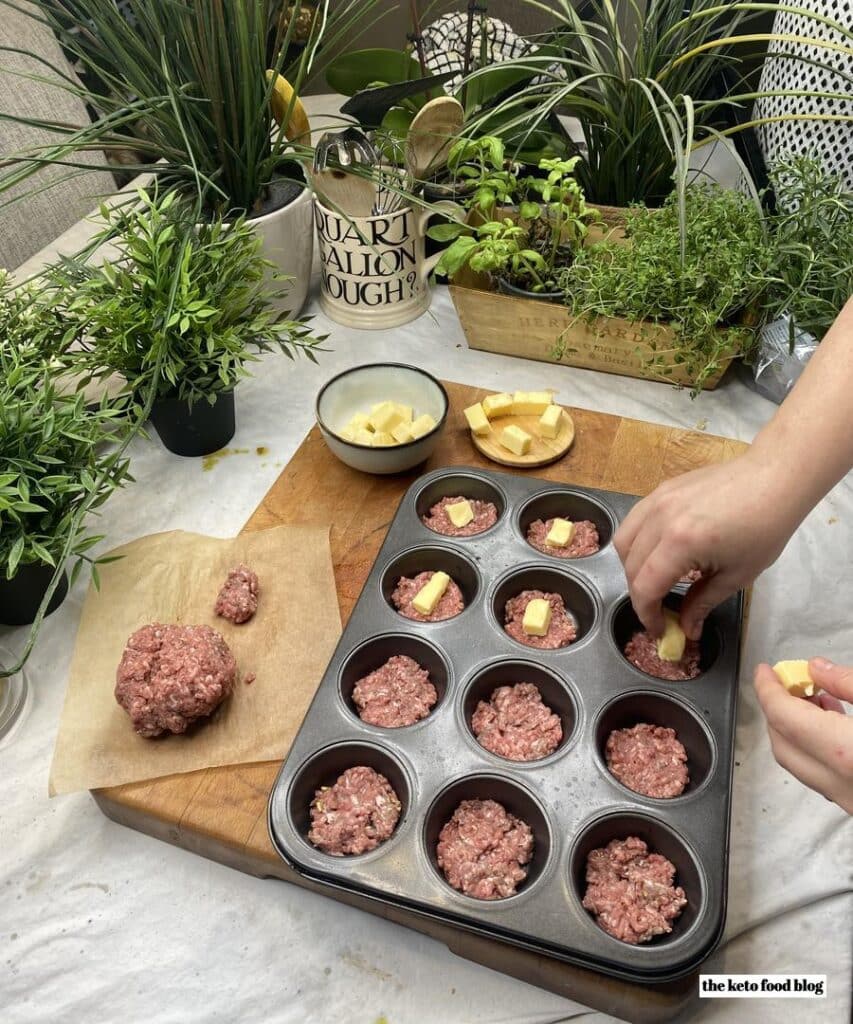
(570, 800)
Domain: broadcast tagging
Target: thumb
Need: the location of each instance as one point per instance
(835, 679)
(701, 599)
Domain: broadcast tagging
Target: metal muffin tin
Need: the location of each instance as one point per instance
(569, 799)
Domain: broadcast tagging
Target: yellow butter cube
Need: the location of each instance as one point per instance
(422, 425)
(402, 433)
(405, 411)
(671, 645)
(359, 422)
(561, 533)
(364, 436)
(460, 513)
(431, 593)
(549, 421)
(531, 403)
(516, 440)
(478, 421)
(537, 617)
(384, 417)
(347, 433)
(796, 677)
(497, 405)
(382, 439)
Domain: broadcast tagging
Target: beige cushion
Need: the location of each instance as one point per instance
(34, 221)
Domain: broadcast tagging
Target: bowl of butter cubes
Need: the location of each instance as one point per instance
(382, 417)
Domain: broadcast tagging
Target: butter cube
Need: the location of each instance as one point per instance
(561, 533)
(531, 403)
(460, 513)
(671, 645)
(796, 677)
(382, 439)
(402, 433)
(431, 593)
(359, 422)
(405, 411)
(537, 617)
(497, 405)
(516, 440)
(478, 421)
(384, 417)
(422, 425)
(347, 433)
(364, 436)
(549, 421)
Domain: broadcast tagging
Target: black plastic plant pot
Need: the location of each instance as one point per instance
(200, 429)
(507, 288)
(21, 596)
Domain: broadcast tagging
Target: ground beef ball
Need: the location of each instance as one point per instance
(561, 632)
(516, 724)
(395, 694)
(485, 515)
(631, 891)
(169, 676)
(641, 650)
(451, 603)
(483, 850)
(238, 598)
(358, 813)
(584, 540)
(649, 759)
(691, 577)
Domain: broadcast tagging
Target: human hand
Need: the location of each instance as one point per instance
(812, 739)
(730, 521)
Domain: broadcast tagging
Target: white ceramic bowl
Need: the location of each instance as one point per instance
(357, 390)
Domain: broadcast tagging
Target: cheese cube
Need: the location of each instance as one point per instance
(384, 417)
(531, 403)
(422, 425)
(347, 433)
(796, 677)
(460, 513)
(561, 533)
(537, 617)
(497, 405)
(671, 645)
(549, 421)
(359, 422)
(478, 421)
(431, 593)
(516, 440)
(364, 436)
(382, 439)
(402, 433)
(405, 411)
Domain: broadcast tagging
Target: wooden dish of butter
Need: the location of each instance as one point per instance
(525, 429)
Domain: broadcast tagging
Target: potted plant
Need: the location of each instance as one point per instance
(192, 87)
(180, 311)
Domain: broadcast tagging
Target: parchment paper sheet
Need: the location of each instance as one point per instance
(174, 578)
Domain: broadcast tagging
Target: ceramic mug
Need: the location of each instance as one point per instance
(373, 271)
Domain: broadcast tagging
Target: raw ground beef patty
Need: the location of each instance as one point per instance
(169, 676)
(483, 850)
(641, 650)
(631, 891)
(584, 540)
(395, 694)
(516, 724)
(238, 598)
(649, 759)
(485, 515)
(356, 814)
(452, 602)
(561, 632)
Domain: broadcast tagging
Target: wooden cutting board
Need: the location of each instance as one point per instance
(221, 813)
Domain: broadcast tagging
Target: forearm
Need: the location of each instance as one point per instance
(809, 442)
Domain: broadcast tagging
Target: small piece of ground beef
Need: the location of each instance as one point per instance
(238, 598)
(641, 650)
(691, 577)
(396, 694)
(437, 519)
(631, 891)
(584, 540)
(649, 759)
(355, 815)
(483, 850)
(451, 603)
(561, 632)
(516, 724)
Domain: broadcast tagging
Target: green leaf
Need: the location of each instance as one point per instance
(14, 558)
(446, 232)
(352, 72)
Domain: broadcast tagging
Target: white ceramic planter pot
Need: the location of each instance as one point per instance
(288, 242)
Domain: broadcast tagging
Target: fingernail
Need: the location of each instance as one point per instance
(823, 664)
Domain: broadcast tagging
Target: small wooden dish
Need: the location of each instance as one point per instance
(543, 449)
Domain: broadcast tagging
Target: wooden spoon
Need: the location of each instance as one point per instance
(349, 193)
(431, 133)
